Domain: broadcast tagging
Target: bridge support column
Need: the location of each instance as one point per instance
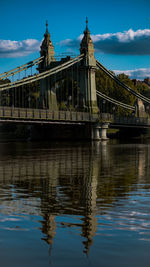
(88, 98)
(96, 132)
(103, 131)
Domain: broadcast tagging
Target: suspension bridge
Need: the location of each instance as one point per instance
(63, 92)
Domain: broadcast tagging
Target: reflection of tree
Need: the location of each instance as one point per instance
(74, 181)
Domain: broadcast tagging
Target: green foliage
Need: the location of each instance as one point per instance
(143, 89)
(62, 106)
(4, 95)
(26, 96)
(110, 88)
(67, 91)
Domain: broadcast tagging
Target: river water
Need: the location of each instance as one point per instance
(74, 204)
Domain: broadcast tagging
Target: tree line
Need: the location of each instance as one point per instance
(28, 96)
(110, 88)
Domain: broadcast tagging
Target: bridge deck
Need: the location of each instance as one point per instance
(8, 114)
(26, 115)
(130, 122)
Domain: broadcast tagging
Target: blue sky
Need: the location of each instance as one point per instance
(120, 31)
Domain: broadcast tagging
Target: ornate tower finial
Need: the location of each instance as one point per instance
(86, 23)
(46, 26)
(47, 49)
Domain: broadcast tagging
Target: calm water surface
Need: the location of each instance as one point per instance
(74, 205)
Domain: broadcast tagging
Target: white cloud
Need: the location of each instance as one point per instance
(9, 49)
(121, 43)
(138, 74)
(65, 42)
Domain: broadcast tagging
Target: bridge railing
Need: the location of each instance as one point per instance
(26, 114)
(131, 120)
(46, 115)
(106, 117)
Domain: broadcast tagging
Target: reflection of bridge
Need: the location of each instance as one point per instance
(72, 181)
(64, 92)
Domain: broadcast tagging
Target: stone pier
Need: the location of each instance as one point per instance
(96, 132)
(99, 131)
(103, 131)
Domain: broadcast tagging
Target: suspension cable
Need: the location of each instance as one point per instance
(41, 75)
(21, 68)
(112, 76)
(115, 102)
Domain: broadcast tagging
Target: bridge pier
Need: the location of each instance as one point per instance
(103, 131)
(87, 73)
(96, 132)
(99, 131)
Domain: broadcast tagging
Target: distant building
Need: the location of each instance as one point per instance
(147, 81)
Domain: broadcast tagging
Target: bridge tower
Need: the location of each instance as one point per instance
(87, 72)
(47, 86)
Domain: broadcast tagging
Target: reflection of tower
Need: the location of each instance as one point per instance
(89, 197)
(105, 155)
(48, 200)
(49, 229)
(78, 179)
(96, 147)
(141, 164)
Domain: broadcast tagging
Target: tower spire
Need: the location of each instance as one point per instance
(47, 49)
(46, 26)
(87, 23)
(86, 43)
